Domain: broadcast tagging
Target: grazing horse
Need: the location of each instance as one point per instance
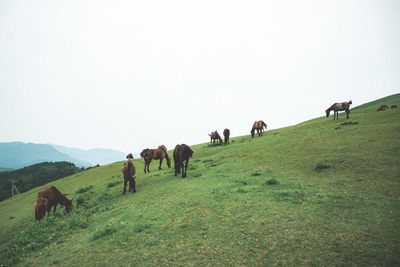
(215, 136)
(129, 171)
(129, 156)
(40, 208)
(381, 108)
(339, 107)
(182, 153)
(226, 136)
(54, 196)
(259, 126)
(393, 106)
(149, 154)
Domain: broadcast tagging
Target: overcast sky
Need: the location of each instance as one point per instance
(128, 75)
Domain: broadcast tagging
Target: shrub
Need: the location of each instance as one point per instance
(321, 166)
(84, 189)
(108, 230)
(271, 182)
(112, 184)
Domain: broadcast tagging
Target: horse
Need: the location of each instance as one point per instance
(226, 135)
(381, 108)
(129, 156)
(129, 171)
(393, 106)
(149, 154)
(54, 197)
(182, 153)
(215, 136)
(259, 126)
(339, 107)
(40, 208)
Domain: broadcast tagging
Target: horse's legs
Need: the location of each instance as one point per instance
(133, 185)
(347, 113)
(161, 159)
(125, 182)
(186, 165)
(55, 207)
(48, 209)
(145, 163)
(148, 165)
(183, 169)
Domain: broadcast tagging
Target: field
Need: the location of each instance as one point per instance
(322, 192)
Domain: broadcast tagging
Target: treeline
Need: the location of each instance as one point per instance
(35, 175)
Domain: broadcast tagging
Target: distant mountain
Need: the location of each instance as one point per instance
(34, 175)
(16, 155)
(94, 156)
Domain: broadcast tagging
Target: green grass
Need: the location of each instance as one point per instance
(321, 192)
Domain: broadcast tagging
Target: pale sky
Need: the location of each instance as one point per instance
(128, 75)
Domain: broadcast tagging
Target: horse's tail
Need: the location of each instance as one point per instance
(264, 125)
(190, 151)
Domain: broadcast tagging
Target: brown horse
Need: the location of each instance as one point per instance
(215, 136)
(381, 108)
(259, 126)
(339, 107)
(182, 153)
(226, 136)
(54, 197)
(40, 208)
(393, 106)
(149, 154)
(129, 156)
(129, 171)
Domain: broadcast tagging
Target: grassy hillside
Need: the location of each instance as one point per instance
(321, 192)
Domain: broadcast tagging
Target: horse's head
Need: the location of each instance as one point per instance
(252, 132)
(327, 112)
(69, 206)
(350, 102)
(143, 153)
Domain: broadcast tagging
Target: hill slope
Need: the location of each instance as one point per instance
(321, 192)
(17, 155)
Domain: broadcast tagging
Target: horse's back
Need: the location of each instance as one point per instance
(40, 208)
(48, 193)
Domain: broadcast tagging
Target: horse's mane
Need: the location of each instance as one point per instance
(59, 195)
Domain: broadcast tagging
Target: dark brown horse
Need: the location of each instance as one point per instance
(149, 154)
(226, 136)
(55, 197)
(215, 136)
(381, 108)
(182, 153)
(129, 171)
(129, 156)
(393, 106)
(339, 107)
(40, 208)
(259, 126)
